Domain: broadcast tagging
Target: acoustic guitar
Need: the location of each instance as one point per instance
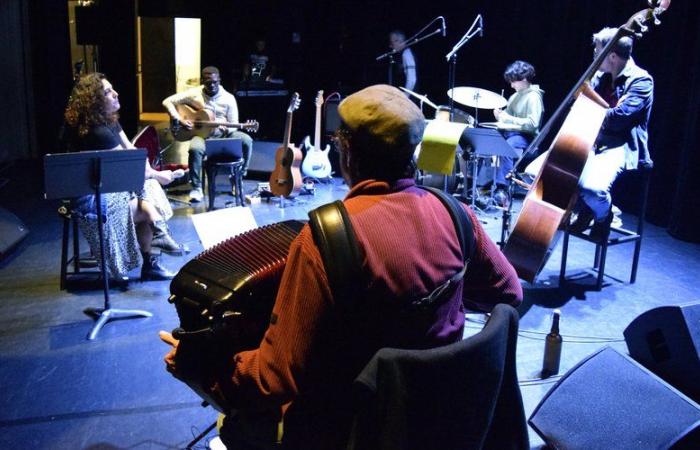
(204, 123)
(285, 179)
(316, 163)
(547, 205)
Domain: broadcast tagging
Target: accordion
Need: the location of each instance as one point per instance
(224, 298)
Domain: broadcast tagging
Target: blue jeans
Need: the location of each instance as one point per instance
(197, 152)
(518, 141)
(599, 174)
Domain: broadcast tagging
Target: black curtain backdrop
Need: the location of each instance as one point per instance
(340, 40)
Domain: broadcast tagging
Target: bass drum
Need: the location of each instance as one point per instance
(443, 113)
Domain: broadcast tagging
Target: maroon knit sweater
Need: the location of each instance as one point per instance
(311, 351)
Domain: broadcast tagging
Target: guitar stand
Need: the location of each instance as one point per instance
(293, 200)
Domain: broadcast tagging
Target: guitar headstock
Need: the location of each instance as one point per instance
(637, 24)
(294, 103)
(251, 125)
(319, 98)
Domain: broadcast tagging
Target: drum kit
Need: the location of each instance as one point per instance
(468, 160)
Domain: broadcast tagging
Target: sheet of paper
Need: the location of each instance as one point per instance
(440, 140)
(216, 226)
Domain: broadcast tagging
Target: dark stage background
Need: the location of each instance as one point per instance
(339, 43)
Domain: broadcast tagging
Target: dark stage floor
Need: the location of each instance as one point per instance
(61, 391)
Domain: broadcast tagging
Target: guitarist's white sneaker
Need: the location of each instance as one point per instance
(196, 195)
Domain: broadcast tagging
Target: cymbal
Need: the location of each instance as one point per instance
(477, 98)
(422, 98)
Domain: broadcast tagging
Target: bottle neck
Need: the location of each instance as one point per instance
(555, 323)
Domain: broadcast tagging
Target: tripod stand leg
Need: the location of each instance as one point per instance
(474, 161)
(105, 315)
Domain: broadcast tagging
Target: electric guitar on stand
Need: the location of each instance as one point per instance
(285, 179)
(316, 163)
(203, 124)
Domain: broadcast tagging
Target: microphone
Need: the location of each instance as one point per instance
(180, 334)
(444, 27)
(481, 26)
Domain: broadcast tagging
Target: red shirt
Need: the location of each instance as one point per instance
(410, 247)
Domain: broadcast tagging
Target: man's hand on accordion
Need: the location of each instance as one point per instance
(170, 356)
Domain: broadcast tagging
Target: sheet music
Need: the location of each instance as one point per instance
(216, 226)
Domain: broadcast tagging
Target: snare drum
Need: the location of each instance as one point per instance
(443, 113)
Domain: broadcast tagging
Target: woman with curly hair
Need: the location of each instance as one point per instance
(92, 123)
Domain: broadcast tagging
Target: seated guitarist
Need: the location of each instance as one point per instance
(213, 97)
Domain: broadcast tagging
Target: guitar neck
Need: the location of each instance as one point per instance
(208, 123)
(317, 130)
(288, 129)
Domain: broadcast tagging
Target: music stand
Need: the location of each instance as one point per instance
(71, 175)
(224, 149)
(485, 142)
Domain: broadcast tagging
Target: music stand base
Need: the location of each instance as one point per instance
(104, 315)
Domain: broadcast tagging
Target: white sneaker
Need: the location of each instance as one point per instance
(216, 444)
(617, 217)
(196, 195)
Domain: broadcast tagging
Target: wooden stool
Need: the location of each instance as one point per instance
(71, 277)
(235, 171)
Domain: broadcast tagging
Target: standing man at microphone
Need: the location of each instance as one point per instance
(404, 73)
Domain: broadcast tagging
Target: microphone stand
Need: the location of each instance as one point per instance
(452, 58)
(512, 179)
(413, 40)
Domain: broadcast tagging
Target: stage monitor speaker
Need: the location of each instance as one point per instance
(12, 231)
(332, 118)
(263, 159)
(89, 26)
(666, 340)
(609, 401)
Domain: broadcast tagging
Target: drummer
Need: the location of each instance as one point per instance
(522, 118)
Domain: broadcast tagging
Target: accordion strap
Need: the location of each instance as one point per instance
(460, 219)
(335, 238)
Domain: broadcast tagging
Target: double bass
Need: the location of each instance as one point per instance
(548, 203)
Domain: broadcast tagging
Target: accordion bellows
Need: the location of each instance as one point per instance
(224, 298)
